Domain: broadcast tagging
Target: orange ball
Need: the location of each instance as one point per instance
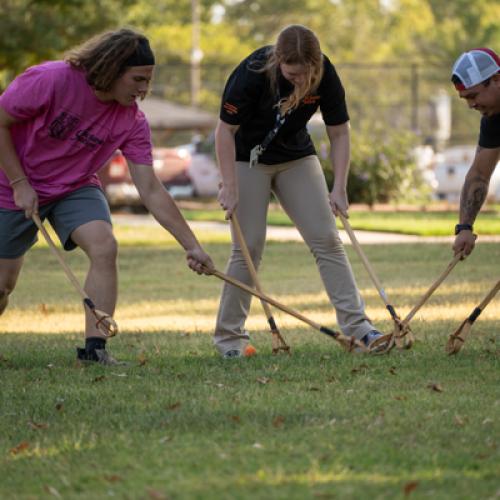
(250, 350)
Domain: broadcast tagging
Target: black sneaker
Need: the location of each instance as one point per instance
(104, 358)
(100, 356)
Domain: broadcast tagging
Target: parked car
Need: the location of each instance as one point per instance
(451, 167)
(170, 164)
(203, 169)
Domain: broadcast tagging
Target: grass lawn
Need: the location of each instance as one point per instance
(423, 223)
(181, 423)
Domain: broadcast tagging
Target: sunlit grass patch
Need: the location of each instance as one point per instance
(180, 422)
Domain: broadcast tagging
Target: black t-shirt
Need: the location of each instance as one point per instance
(489, 135)
(249, 102)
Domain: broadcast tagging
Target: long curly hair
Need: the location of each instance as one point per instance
(103, 57)
(296, 44)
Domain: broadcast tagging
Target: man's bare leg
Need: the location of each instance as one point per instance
(97, 241)
(9, 272)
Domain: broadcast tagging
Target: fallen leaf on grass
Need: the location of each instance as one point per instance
(459, 421)
(236, 419)
(112, 478)
(165, 439)
(435, 387)
(278, 421)
(323, 494)
(174, 406)
(20, 448)
(263, 380)
(36, 425)
(59, 406)
(410, 487)
(359, 368)
(314, 389)
(400, 398)
(100, 378)
(157, 495)
(142, 360)
(52, 491)
(392, 370)
(43, 309)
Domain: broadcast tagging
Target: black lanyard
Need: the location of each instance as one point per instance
(280, 120)
(260, 148)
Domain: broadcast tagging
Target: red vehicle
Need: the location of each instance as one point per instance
(170, 164)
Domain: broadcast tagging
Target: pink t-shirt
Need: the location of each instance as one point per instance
(65, 134)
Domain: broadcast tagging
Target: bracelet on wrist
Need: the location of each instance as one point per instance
(18, 180)
(462, 227)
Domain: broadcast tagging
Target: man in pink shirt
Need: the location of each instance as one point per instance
(59, 124)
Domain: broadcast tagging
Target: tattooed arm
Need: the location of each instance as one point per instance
(474, 193)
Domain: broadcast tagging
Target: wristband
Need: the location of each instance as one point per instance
(19, 179)
(462, 227)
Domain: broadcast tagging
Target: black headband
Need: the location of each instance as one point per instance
(143, 55)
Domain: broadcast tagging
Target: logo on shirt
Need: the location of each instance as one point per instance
(311, 99)
(63, 125)
(231, 109)
(90, 140)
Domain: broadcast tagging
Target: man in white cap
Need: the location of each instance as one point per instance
(476, 75)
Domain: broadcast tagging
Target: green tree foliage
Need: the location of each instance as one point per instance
(219, 44)
(393, 56)
(169, 26)
(383, 167)
(461, 25)
(147, 14)
(376, 30)
(350, 30)
(35, 30)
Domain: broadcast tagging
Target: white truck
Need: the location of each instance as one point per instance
(451, 167)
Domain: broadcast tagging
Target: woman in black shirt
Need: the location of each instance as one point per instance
(263, 146)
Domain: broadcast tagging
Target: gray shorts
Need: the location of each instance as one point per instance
(18, 234)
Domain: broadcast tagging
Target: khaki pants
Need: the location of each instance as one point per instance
(301, 189)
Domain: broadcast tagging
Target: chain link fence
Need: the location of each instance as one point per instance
(404, 96)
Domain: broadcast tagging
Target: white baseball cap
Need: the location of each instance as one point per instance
(474, 67)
